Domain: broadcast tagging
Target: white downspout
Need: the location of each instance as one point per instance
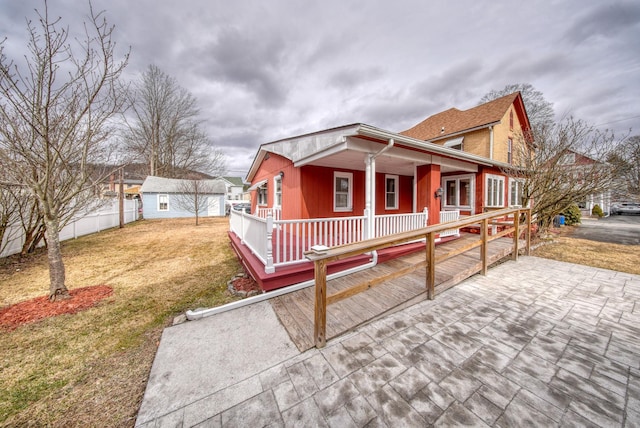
(370, 187)
(202, 313)
(491, 142)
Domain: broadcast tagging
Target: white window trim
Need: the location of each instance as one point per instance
(396, 201)
(457, 178)
(160, 195)
(277, 179)
(259, 202)
(511, 181)
(349, 177)
(501, 180)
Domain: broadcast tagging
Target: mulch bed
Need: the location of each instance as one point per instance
(243, 286)
(39, 308)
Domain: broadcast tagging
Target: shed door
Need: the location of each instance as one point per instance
(213, 207)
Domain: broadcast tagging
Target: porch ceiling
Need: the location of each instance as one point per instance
(352, 154)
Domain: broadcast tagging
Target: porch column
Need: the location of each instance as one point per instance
(427, 182)
(370, 195)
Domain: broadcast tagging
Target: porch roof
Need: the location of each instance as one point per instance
(347, 146)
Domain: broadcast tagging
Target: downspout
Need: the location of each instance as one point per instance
(202, 313)
(491, 142)
(370, 187)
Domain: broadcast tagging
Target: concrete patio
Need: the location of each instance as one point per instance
(534, 343)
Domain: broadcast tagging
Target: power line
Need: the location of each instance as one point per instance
(619, 120)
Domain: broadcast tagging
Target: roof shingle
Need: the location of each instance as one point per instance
(453, 121)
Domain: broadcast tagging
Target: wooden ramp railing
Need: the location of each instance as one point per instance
(510, 220)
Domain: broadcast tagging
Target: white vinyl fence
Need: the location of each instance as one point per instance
(105, 217)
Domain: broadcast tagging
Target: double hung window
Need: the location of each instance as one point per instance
(342, 191)
(494, 191)
(391, 192)
(163, 202)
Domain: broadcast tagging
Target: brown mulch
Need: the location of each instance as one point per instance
(11, 317)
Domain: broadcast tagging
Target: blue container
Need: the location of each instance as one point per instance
(561, 220)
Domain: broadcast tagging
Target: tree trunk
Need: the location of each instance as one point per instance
(57, 289)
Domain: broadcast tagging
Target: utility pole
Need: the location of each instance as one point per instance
(121, 197)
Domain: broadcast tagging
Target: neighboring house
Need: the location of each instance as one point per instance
(584, 167)
(161, 198)
(235, 188)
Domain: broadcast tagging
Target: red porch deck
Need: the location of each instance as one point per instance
(303, 271)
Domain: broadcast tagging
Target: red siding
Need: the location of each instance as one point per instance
(405, 195)
(317, 193)
(427, 182)
(268, 169)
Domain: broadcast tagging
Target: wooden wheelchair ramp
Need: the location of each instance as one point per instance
(296, 310)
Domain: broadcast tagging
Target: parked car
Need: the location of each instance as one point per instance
(245, 206)
(626, 208)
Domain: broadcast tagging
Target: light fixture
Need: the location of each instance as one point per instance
(438, 193)
(281, 174)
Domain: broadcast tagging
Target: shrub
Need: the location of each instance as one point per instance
(597, 211)
(572, 215)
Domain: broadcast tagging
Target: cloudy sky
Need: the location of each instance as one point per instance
(265, 70)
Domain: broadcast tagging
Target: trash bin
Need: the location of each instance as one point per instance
(561, 220)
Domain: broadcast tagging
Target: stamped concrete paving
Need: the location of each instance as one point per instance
(534, 343)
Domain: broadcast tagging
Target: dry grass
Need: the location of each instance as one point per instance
(622, 258)
(91, 368)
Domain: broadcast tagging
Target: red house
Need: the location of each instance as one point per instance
(356, 182)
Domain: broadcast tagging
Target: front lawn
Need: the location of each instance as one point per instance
(91, 368)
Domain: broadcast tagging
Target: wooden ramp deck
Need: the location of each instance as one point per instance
(296, 310)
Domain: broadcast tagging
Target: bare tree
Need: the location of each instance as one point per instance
(193, 195)
(567, 165)
(56, 112)
(165, 132)
(626, 158)
(539, 110)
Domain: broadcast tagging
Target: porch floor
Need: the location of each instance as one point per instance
(296, 310)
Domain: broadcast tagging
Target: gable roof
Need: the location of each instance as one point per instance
(154, 184)
(234, 181)
(454, 121)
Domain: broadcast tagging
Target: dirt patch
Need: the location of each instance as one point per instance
(39, 308)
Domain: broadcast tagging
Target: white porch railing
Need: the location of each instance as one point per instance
(396, 223)
(446, 216)
(276, 213)
(293, 237)
(283, 242)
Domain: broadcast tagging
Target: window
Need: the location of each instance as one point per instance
(494, 195)
(515, 192)
(342, 191)
(457, 191)
(509, 151)
(262, 194)
(277, 191)
(455, 143)
(391, 192)
(163, 202)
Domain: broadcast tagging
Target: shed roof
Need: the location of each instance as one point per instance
(154, 184)
(454, 121)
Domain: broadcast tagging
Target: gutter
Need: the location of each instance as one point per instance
(424, 145)
(202, 313)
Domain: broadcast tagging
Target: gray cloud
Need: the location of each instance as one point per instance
(262, 71)
(606, 20)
